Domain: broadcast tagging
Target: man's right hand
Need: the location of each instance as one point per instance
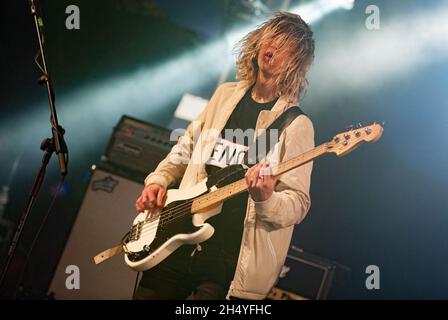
(153, 197)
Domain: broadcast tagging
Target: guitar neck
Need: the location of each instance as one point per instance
(222, 194)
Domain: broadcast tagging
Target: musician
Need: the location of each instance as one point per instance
(244, 257)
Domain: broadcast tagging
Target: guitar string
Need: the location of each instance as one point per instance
(168, 217)
(180, 210)
(170, 213)
(176, 213)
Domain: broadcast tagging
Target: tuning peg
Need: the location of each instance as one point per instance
(349, 127)
(359, 125)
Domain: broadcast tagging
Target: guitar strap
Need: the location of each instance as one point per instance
(280, 124)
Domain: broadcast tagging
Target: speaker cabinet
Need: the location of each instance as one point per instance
(105, 216)
(307, 276)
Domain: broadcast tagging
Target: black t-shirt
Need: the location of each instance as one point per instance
(229, 223)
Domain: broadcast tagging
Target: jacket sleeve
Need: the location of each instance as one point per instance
(173, 167)
(290, 201)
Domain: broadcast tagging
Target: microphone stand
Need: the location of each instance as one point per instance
(49, 145)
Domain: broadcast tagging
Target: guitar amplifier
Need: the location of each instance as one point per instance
(137, 146)
(104, 217)
(306, 276)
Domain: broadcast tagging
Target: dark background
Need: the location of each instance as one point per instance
(384, 204)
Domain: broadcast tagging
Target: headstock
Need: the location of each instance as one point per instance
(345, 142)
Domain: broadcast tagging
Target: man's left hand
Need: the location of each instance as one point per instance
(260, 182)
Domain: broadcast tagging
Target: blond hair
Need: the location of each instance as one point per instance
(292, 33)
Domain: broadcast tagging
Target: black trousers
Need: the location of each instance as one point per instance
(205, 275)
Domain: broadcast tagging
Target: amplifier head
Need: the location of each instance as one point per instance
(137, 145)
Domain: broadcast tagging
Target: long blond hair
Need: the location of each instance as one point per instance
(292, 33)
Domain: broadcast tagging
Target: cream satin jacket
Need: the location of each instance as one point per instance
(268, 225)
